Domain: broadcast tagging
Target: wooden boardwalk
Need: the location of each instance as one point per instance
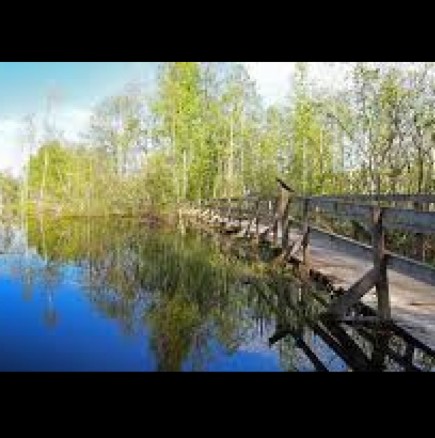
(397, 288)
(412, 301)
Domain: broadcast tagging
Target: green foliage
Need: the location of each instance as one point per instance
(204, 133)
(9, 192)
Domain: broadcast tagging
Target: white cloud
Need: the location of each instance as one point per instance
(10, 153)
(70, 121)
(73, 121)
(273, 79)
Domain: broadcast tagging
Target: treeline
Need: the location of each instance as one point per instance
(205, 132)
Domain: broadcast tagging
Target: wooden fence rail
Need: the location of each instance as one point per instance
(366, 210)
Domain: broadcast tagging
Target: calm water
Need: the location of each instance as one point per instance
(106, 295)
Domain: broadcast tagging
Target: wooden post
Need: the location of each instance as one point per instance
(257, 219)
(251, 211)
(271, 218)
(380, 264)
(305, 233)
(229, 213)
(285, 223)
(275, 219)
(419, 237)
(280, 215)
(277, 216)
(240, 212)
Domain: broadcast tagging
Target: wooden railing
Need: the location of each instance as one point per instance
(367, 210)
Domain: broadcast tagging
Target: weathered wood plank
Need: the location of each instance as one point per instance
(343, 303)
(341, 209)
(411, 268)
(305, 234)
(425, 198)
(380, 263)
(412, 220)
(343, 243)
(285, 226)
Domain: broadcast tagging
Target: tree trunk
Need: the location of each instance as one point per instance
(184, 174)
(44, 177)
(231, 159)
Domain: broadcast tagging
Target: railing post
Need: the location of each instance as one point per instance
(271, 218)
(240, 211)
(285, 223)
(257, 219)
(280, 205)
(229, 213)
(276, 212)
(419, 237)
(305, 233)
(380, 264)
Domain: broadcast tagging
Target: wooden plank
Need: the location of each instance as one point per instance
(343, 303)
(334, 337)
(404, 361)
(300, 343)
(341, 209)
(318, 365)
(393, 217)
(240, 206)
(341, 342)
(278, 206)
(290, 250)
(343, 243)
(380, 264)
(305, 234)
(400, 198)
(285, 227)
(404, 219)
(253, 218)
(411, 268)
(404, 265)
(425, 198)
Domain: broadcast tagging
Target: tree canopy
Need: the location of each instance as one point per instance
(205, 133)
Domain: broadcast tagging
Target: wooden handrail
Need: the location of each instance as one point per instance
(355, 207)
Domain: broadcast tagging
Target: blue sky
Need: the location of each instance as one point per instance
(24, 87)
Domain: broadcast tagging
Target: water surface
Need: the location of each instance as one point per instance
(119, 295)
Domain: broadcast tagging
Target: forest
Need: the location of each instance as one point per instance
(204, 132)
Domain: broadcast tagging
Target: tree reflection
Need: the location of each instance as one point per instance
(173, 322)
(192, 293)
(51, 278)
(185, 291)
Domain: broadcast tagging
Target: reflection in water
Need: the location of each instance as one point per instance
(192, 301)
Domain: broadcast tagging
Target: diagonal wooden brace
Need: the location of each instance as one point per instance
(339, 307)
(290, 250)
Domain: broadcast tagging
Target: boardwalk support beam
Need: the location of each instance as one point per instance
(341, 305)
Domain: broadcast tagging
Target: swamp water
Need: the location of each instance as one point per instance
(120, 295)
